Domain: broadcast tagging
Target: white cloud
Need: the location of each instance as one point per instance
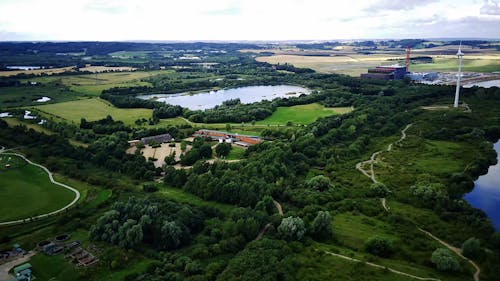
(490, 7)
(239, 19)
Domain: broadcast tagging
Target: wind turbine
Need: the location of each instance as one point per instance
(460, 55)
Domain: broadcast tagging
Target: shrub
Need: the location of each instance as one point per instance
(471, 248)
(444, 260)
(292, 228)
(379, 246)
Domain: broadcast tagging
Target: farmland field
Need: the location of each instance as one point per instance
(93, 109)
(355, 64)
(301, 114)
(48, 71)
(93, 84)
(26, 191)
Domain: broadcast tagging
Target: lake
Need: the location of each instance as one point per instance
(484, 84)
(486, 193)
(209, 99)
(17, 67)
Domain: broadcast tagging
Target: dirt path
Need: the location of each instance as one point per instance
(373, 159)
(382, 267)
(266, 227)
(77, 194)
(278, 207)
(371, 175)
(456, 251)
(4, 268)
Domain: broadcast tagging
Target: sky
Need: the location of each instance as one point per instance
(234, 20)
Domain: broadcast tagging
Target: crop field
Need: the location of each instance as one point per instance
(474, 64)
(301, 114)
(355, 64)
(94, 84)
(93, 109)
(48, 71)
(26, 191)
(352, 65)
(99, 68)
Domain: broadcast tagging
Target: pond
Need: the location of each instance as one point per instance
(209, 99)
(486, 192)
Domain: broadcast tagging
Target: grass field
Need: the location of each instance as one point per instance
(301, 114)
(236, 153)
(38, 128)
(27, 95)
(181, 196)
(93, 84)
(26, 192)
(93, 109)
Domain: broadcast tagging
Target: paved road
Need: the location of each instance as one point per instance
(77, 194)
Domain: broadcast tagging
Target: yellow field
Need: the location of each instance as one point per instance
(344, 64)
(93, 109)
(99, 68)
(37, 71)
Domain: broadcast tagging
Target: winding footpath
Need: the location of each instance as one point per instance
(371, 174)
(456, 251)
(382, 267)
(77, 193)
(373, 159)
(266, 227)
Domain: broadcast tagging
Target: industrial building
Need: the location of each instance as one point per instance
(241, 140)
(386, 73)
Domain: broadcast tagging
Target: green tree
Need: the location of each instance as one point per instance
(292, 228)
(222, 149)
(379, 246)
(471, 248)
(205, 151)
(322, 225)
(379, 189)
(171, 235)
(444, 260)
(319, 183)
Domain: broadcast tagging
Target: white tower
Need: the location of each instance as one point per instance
(460, 55)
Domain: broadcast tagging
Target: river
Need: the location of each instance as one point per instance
(209, 99)
(486, 192)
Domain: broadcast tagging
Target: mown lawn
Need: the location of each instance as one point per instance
(94, 109)
(26, 192)
(301, 114)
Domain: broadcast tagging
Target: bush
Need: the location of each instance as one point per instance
(319, 183)
(471, 248)
(444, 260)
(379, 190)
(322, 225)
(292, 228)
(149, 187)
(379, 246)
